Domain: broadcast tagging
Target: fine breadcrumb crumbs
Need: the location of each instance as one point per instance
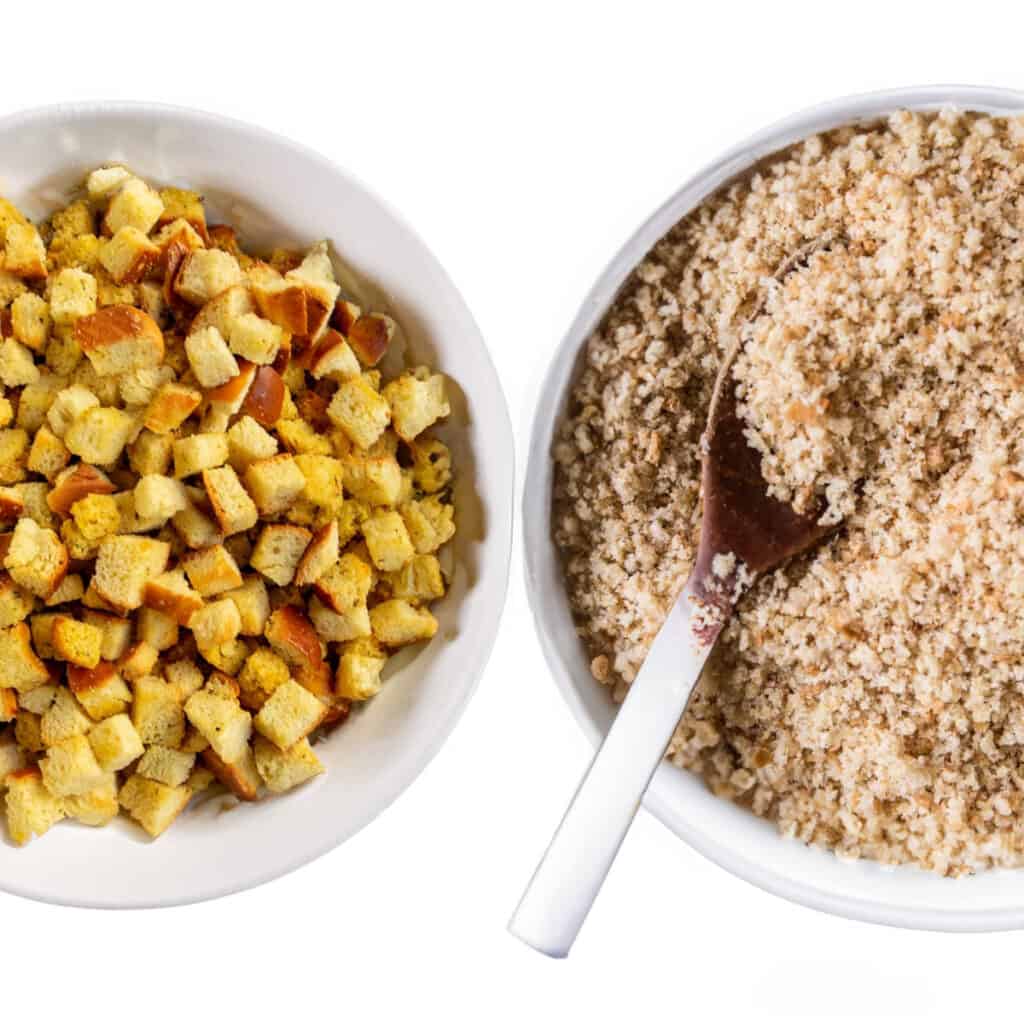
(868, 697)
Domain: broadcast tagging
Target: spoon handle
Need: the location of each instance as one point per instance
(571, 873)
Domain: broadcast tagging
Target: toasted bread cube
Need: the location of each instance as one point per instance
(221, 722)
(388, 540)
(28, 732)
(101, 690)
(36, 558)
(212, 570)
(117, 633)
(210, 358)
(323, 480)
(6, 412)
(96, 516)
(396, 623)
(253, 604)
(135, 205)
(13, 455)
(316, 275)
(278, 551)
(63, 719)
(321, 554)
(248, 442)
(430, 523)
(42, 634)
(183, 206)
(97, 806)
(157, 629)
(123, 567)
(138, 660)
(30, 321)
(141, 386)
(359, 669)
(216, 624)
(282, 302)
(105, 181)
(207, 273)
(31, 808)
(152, 804)
(274, 484)
(166, 765)
(375, 479)
(48, 454)
(70, 767)
(284, 770)
(198, 453)
(74, 484)
(184, 678)
(370, 336)
(63, 353)
(12, 758)
(131, 521)
(195, 524)
(67, 405)
(361, 413)
(232, 507)
(333, 359)
(72, 295)
(115, 742)
(76, 642)
(17, 367)
(12, 505)
(150, 453)
(16, 603)
(289, 715)
(256, 339)
(156, 715)
(39, 700)
(431, 464)
(33, 495)
(8, 705)
(292, 636)
(71, 589)
(240, 776)
(228, 658)
(335, 628)
(24, 252)
(346, 585)
(170, 407)
(302, 438)
(128, 256)
(345, 316)
(158, 497)
(100, 435)
(263, 672)
(119, 339)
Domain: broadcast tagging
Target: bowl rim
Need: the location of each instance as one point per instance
(549, 393)
(500, 505)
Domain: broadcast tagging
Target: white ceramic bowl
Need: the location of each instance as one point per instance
(277, 192)
(727, 835)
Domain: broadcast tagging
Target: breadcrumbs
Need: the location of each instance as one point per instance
(868, 697)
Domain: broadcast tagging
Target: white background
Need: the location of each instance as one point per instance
(525, 144)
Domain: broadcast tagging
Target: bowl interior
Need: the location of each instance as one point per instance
(278, 193)
(734, 838)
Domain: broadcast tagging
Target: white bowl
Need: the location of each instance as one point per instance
(277, 192)
(733, 838)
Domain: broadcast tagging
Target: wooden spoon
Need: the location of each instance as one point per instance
(744, 533)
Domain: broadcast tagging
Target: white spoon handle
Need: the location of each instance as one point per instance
(569, 876)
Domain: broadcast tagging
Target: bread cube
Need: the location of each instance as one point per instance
(115, 742)
(8, 705)
(360, 412)
(67, 405)
(336, 628)
(119, 339)
(320, 555)
(323, 478)
(75, 483)
(195, 524)
(138, 660)
(36, 559)
(205, 274)
(30, 321)
(388, 540)
(370, 336)
(255, 339)
(212, 570)
(16, 604)
(156, 715)
(396, 623)
(123, 567)
(221, 722)
(184, 678)
(418, 580)
(100, 435)
(375, 479)
(64, 718)
(28, 732)
(105, 181)
(152, 804)
(289, 715)
(24, 252)
(170, 407)
(345, 586)
(284, 770)
(359, 667)
(431, 464)
(292, 636)
(265, 397)
(100, 690)
(158, 497)
(17, 367)
(48, 454)
(12, 757)
(198, 453)
(150, 453)
(166, 765)
(135, 205)
(33, 495)
(248, 442)
(128, 256)
(70, 767)
(316, 275)
(274, 484)
(183, 206)
(229, 657)
(71, 589)
(280, 301)
(117, 633)
(253, 604)
(13, 455)
(96, 516)
(31, 808)
(240, 776)
(141, 386)
(278, 552)
(430, 523)
(333, 359)
(131, 521)
(76, 642)
(263, 672)
(42, 634)
(231, 505)
(215, 624)
(96, 806)
(210, 358)
(72, 295)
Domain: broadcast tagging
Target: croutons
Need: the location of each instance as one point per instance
(77, 642)
(115, 742)
(370, 336)
(198, 453)
(221, 722)
(166, 765)
(156, 714)
(99, 435)
(207, 273)
(320, 555)
(396, 623)
(135, 205)
(170, 407)
(100, 690)
(388, 540)
(240, 776)
(36, 558)
(274, 484)
(17, 367)
(265, 397)
(210, 358)
(417, 401)
(255, 339)
(152, 804)
(359, 411)
(74, 484)
(284, 770)
(171, 594)
(31, 808)
(30, 321)
(289, 715)
(359, 668)
(263, 672)
(119, 339)
(70, 767)
(128, 256)
(124, 565)
(278, 551)
(248, 442)
(215, 624)
(253, 604)
(158, 497)
(72, 296)
(232, 507)
(333, 358)
(24, 252)
(292, 636)
(212, 570)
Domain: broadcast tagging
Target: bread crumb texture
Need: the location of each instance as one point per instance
(869, 697)
(220, 498)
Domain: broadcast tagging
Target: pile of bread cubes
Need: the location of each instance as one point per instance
(218, 519)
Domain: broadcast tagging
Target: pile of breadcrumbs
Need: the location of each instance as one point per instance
(870, 696)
